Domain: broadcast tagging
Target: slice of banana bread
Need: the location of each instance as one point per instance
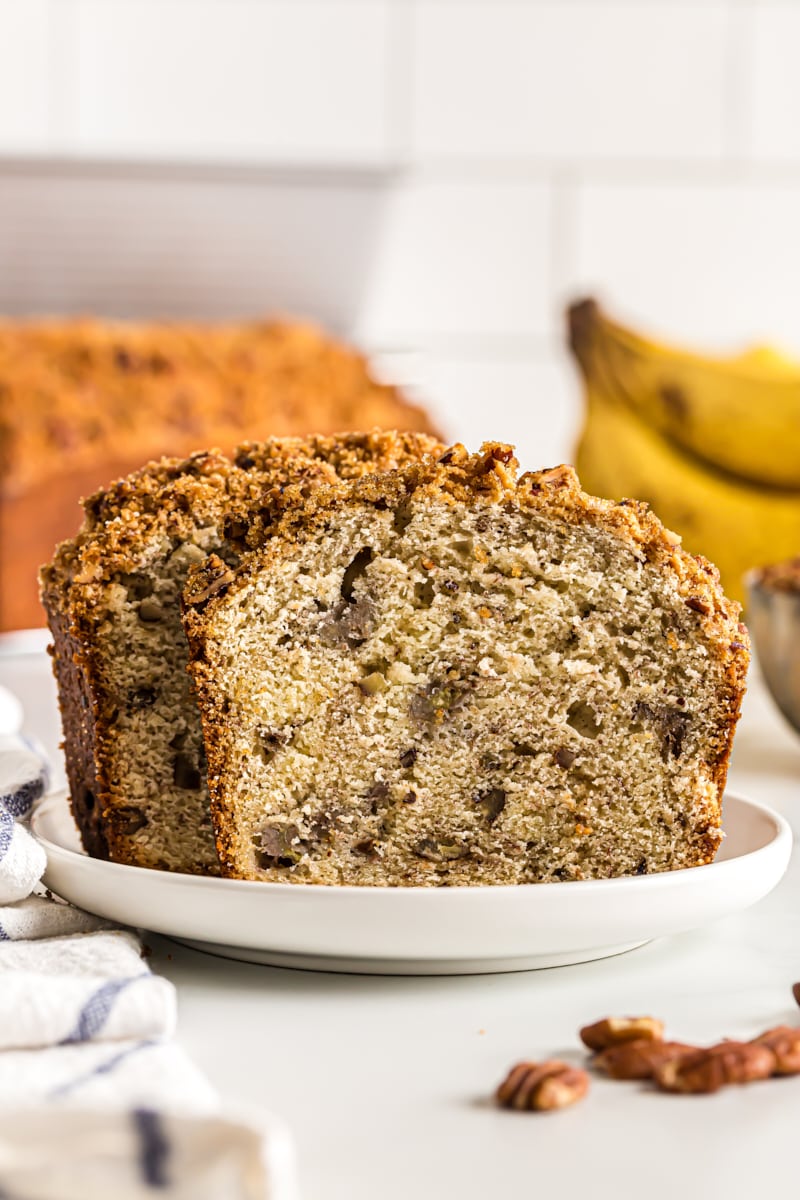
(454, 676)
(133, 743)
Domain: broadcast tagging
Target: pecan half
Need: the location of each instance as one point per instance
(542, 1087)
(612, 1031)
(784, 1042)
(639, 1059)
(709, 1070)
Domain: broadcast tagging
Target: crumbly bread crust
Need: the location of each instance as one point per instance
(279, 683)
(779, 577)
(132, 743)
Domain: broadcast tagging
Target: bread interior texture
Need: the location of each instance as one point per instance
(441, 693)
(133, 741)
(153, 747)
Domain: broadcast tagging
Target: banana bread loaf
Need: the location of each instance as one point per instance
(451, 675)
(133, 744)
(83, 401)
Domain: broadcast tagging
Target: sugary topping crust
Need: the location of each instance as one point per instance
(491, 477)
(166, 500)
(779, 577)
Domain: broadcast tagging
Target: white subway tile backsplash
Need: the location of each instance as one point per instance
(460, 257)
(162, 242)
(717, 265)
(24, 65)
(773, 111)
(532, 402)
(245, 79)
(569, 80)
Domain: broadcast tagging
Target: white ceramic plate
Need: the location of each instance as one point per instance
(421, 931)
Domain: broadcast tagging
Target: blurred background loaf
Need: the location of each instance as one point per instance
(83, 402)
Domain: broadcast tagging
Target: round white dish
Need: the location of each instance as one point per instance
(420, 931)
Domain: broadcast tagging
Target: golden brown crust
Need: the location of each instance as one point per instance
(129, 525)
(490, 477)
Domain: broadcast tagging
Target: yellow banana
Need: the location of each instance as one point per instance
(629, 448)
(739, 414)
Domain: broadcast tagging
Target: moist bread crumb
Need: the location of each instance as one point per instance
(448, 675)
(133, 744)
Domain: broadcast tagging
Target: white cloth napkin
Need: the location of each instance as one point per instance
(97, 1156)
(95, 1100)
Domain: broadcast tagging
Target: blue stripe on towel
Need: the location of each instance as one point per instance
(21, 800)
(4, 937)
(103, 1068)
(6, 831)
(97, 1009)
(154, 1147)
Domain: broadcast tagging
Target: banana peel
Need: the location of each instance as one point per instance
(741, 413)
(658, 427)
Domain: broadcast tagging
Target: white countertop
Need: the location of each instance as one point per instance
(387, 1082)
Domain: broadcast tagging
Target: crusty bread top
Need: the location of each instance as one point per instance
(491, 477)
(165, 500)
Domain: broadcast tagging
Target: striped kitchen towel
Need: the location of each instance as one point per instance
(95, 1099)
(142, 1154)
(23, 779)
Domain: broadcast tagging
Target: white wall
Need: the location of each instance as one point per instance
(644, 150)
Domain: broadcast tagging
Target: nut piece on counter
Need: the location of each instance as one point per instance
(784, 1042)
(796, 992)
(639, 1059)
(709, 1070)
(542, 1087)
(612, 1031)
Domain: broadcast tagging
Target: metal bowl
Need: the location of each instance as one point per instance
(773, 618)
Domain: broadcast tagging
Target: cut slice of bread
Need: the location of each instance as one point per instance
(446, 675)
(133, 743)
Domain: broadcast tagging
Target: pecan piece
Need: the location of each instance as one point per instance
(542, 1087)
(150, 613)
(207, 580)
(612, 1031)
(796, 992)
(129, 819)
(185, 774)
(639, 1059)
(784, 1042)
(709, 1070)
(491, 803)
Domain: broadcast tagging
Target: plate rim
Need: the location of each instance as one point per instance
(782, 838)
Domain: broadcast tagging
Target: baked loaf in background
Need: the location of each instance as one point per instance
(133, 745)
(84, 401)
(449, 675)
